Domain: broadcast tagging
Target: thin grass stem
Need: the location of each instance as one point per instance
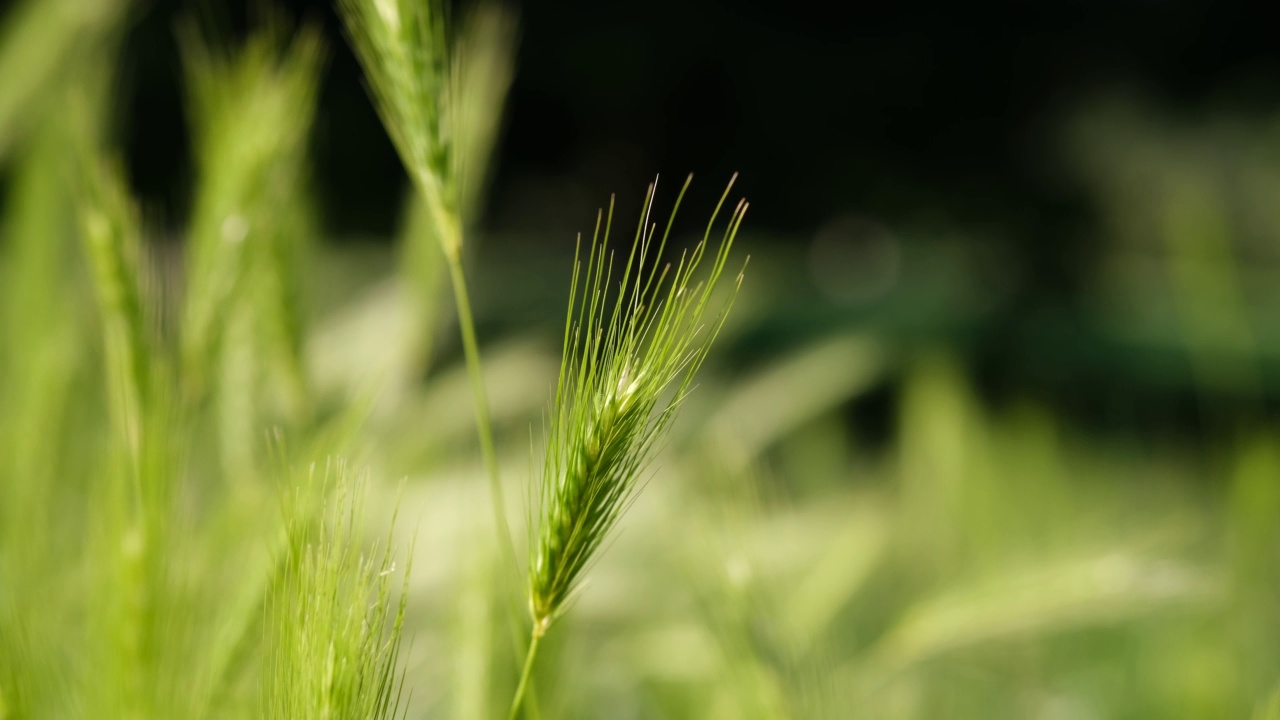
(484, 428)
(523, 687)
(484, 431)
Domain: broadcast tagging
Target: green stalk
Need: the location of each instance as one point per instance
(525, 674)
(450, 230)
(484, 428)
(451, 242)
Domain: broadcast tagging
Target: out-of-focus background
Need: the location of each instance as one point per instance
(995, 178)
(993, 431)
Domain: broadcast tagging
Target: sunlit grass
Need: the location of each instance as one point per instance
(216, 469)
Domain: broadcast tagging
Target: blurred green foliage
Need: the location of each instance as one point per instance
(175, 540)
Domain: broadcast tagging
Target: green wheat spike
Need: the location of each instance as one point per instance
(627, 366)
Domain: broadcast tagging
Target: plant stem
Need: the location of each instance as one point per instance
(525, 674)
(450, 233)
(484, 428)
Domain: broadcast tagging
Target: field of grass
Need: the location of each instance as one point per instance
(263, 473)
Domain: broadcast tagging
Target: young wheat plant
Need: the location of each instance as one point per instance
(624, 372)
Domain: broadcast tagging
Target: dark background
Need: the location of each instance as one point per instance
(932, 111)
(930, 115)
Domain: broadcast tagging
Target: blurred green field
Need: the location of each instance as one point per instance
(845, 522)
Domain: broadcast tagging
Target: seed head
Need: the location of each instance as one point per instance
(615, 399)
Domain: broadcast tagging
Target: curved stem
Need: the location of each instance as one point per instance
(484, 428)
(450, 235)
(525, 674)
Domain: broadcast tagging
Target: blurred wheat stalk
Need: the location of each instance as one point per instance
(144, 571)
